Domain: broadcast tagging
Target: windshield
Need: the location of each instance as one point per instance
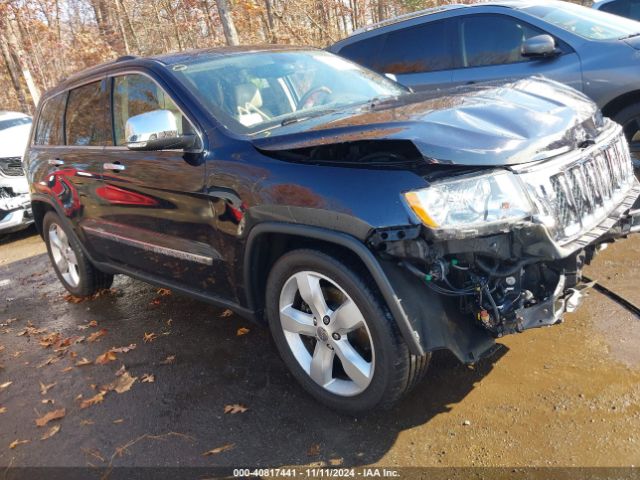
(586, 22)
(256, 91)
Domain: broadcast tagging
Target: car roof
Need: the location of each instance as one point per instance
(165, 60)
(7, 115)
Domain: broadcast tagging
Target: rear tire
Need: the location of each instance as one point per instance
(74, 270)
(367, 365)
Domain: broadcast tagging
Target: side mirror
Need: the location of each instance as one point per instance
(156, 130)
(540, 46)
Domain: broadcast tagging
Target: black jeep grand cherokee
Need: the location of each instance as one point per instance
(368, 224)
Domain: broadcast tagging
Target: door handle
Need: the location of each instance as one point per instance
(115, 167)
(56, 162)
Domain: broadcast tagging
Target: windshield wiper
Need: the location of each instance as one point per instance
(631, 35)
(307, 116)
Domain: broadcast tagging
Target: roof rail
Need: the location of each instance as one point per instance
(126, 57)
(407, 16)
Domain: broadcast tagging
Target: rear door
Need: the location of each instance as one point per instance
(490, 46)
(156, 220)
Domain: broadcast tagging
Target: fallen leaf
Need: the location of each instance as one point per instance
(334, 462)
(92, 323)
(121, 370)
(83, 361)
(124, 383)
(15, 443)
(3, 409)
(169, 322)
(45, 388)
(47, 400)
(155, 301)
(314, 450)
(50, 339)
(164, 292)
(120, 420)
(51, 432)
(149, 337)
(52, 415)
(169, 360)
(67, 369)
(224, 448)
(226, 313)
(5, 385)
(51, 360)
(148, 378)
(105, 358)
(242, 331)
(93, 400)
(73, 299)
(96, 335)
(124, 349)
(87, 422)
(17, 353)
(235, 408)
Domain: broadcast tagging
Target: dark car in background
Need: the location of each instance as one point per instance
(624, 8)
(594, 52)
(367, 224)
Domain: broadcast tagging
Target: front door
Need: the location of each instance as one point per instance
(157, 221)
(490, 50)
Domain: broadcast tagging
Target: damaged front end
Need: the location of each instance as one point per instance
(502, 251)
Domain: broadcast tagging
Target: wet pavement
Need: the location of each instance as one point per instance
(559, 396)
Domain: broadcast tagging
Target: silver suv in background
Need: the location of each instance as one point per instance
(624, 8)
(592, 51)
(15, 203)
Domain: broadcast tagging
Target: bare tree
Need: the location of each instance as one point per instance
(229, 27)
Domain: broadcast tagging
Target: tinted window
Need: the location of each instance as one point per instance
(366, 52)
(87, 121)
(50, 129)
(14, 122)
(136, 94)
(425, 48)
(624, 8)
(494, 40)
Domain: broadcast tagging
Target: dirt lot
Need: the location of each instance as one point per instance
(560, 396)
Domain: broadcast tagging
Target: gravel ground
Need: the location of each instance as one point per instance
(560, 396)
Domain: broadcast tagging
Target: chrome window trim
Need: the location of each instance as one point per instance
(107, 76)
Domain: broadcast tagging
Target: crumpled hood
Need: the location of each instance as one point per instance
(485, 124)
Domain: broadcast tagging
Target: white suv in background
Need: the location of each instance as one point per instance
(15, 203)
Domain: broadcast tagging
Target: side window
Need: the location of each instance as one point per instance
(365, 52)
(494, 40)
(423, 48)
(624, 8)
(50, 128)
(87, 121)
(135, 94)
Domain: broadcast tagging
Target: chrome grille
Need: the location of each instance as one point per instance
(573, 196)
(11, 166)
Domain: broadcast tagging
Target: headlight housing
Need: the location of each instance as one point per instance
(471, 204)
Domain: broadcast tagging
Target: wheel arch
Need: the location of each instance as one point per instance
(613, 107)
(40, 208)
(268, 241)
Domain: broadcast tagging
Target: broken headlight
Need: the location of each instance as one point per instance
(471, 203)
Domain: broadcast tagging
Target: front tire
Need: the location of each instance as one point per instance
(336, 335)
(73, 268)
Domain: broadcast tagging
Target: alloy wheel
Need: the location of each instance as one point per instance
(63, 255)
(327, 333)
